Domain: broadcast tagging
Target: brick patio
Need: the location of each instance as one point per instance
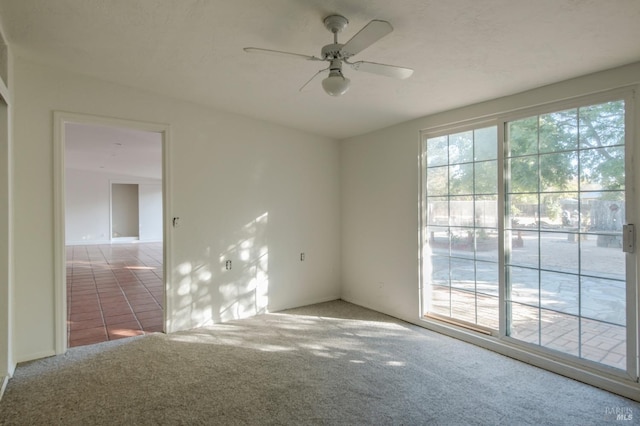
(582, 337)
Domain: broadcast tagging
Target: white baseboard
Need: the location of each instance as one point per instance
(86, 242)
(36, 355)
(125, 240)
(300, 303)
(116, 240)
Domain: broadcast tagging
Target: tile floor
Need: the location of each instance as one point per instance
(113, 291)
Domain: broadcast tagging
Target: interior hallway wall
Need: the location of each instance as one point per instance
(87, 206)
(252, 192)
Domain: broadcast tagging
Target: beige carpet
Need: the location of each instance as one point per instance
(332, 363)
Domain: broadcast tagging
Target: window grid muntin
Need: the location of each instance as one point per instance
(469, 226)
(510, 229)
(627, 94)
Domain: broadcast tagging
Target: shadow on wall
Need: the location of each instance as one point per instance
(231, 284)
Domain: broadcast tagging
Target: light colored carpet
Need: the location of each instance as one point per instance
(332, 363)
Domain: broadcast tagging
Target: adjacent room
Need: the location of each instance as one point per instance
(113, 232)
(319, 212)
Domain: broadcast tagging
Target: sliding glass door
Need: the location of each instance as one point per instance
(462, 226)
(548, 241)
(566, 202)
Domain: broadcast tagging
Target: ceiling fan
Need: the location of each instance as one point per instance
(336, 54)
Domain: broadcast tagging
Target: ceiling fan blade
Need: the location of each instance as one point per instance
(382, 69)
(312, 78)
(280, 53)
(368, 35)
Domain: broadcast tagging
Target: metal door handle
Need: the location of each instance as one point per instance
(628, 238)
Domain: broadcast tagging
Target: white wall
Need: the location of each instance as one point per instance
(87, 206)
(379, 201)
(246, 190)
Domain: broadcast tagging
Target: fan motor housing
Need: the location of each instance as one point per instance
(332, 51)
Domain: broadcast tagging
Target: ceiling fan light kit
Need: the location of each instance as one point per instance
(336, 84)
(336, 54)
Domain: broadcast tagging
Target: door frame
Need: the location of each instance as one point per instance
(60, 119)
(7, 366)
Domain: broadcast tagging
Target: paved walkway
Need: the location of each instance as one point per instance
(581, 337)
(575, 304)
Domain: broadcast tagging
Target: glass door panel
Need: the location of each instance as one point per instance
(565, 207)
(461, 198)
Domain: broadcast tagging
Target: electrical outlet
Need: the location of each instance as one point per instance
(302, 256)
(176, 222)
(228, 265)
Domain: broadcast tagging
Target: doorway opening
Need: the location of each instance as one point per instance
(125, 212)
(110, 239)
(136, 212)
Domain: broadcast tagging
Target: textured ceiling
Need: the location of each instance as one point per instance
(463, 51)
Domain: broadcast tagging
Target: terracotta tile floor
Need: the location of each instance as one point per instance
(113, 291)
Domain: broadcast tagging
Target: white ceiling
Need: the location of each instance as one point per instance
(463, 51)
(113, 150)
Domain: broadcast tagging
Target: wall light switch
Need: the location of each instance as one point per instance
(302, 257)
(176, 222)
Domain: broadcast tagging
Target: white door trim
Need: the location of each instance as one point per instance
(60, 118)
